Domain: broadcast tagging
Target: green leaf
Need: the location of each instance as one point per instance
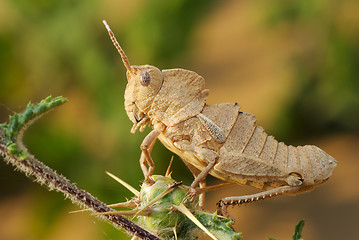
(298, 230)
(19, 121)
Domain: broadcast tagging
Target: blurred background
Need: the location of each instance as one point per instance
(294, 64)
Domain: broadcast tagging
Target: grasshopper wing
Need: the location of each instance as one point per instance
(249, 151)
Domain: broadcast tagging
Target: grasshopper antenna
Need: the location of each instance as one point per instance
(117, 45)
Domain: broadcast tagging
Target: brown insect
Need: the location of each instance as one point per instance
(215, 139)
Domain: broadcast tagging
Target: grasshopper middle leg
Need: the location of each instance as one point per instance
(202, 184)
(200, 176)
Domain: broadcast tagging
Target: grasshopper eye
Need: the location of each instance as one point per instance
(145, 78)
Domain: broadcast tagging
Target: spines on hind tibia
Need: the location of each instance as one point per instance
(239, 200)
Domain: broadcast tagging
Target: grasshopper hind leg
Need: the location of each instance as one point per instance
(238, 200)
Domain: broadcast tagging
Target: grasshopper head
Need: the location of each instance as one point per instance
(144, 82)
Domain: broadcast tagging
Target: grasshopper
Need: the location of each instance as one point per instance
(218, 139)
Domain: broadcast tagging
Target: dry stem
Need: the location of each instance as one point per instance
(48, 177)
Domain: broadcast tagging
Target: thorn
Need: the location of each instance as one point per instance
(81, 210)
(175, 233)
(182, 208)
(125, 184)
(134, 237)
(129, 203)
(168, 173)
(135, 212)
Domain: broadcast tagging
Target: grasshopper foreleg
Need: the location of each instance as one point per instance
(146, 147)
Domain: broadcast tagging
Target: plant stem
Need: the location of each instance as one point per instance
(46, 176)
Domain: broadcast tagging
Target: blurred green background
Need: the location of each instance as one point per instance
(294, 64)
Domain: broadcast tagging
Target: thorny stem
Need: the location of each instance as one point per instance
(17, 155)
(46, 176)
